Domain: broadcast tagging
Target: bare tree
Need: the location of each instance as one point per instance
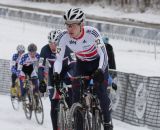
(147, 3)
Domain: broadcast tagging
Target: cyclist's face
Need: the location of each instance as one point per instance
(20, 52)
(74, 30)
(32, 54)
(52, 46)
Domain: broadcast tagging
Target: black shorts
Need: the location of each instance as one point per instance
(27, 70)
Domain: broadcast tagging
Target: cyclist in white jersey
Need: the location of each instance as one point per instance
(27, 66)
(89, 49)
(14, 65)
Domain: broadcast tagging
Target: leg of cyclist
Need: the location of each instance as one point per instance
(14, 77)
(105, 103)
(54, 113)
(13, 89)
(54, 102)
(68, 84)
(21, 80)
(34, 81)
(66, 73)
(35, 90)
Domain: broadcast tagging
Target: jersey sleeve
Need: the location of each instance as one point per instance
(60, 55)
(13, 64)
(42, 59)
(103, 62)
(21, 62)
(42, 62)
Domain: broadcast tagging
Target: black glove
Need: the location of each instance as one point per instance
(42, 86)
(98, 76)
(114, 86)
(56, 78)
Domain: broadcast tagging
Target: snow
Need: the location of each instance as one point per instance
(150, 16)
(15, 120)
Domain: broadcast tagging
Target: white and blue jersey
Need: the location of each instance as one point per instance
(14, 63)
(27, 61)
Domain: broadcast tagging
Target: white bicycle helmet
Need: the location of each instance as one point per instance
(74, 15)
(20, 48)
(53, 36)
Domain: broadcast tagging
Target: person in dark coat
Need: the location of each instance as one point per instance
(111, 60)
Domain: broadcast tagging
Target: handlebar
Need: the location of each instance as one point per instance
(80, 77)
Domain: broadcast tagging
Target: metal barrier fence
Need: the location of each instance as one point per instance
(5, 76)
(115, 31)
(121, 31)
(137, 100)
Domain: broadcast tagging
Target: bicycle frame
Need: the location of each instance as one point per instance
(63, 109)
(32, 103)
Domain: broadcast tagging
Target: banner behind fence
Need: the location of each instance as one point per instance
(137, 100)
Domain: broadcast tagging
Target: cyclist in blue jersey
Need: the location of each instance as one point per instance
(27, 66)
(14, 64)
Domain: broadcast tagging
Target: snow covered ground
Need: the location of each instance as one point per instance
(15, 120)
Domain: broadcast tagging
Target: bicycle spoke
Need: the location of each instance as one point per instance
(27, 106)
(15, 103)
(39, 113)
(75, 117)
(15, 99)
(61, 117)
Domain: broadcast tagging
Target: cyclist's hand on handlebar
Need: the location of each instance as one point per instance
(98, 76)
(80, 77)
(42, 86)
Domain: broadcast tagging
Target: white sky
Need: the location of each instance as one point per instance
(15, 120)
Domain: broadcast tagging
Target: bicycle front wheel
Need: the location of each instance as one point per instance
(15, 103)
(78, 118)
(62, 117)
(38, 109)
(15, 100)
(28, 105)
(96, 120)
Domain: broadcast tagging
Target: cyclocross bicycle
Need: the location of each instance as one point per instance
(63, 108)
(87, 110)
(32, 102)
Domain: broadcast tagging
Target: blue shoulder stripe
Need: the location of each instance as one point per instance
(61, 35)
(95, 33)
